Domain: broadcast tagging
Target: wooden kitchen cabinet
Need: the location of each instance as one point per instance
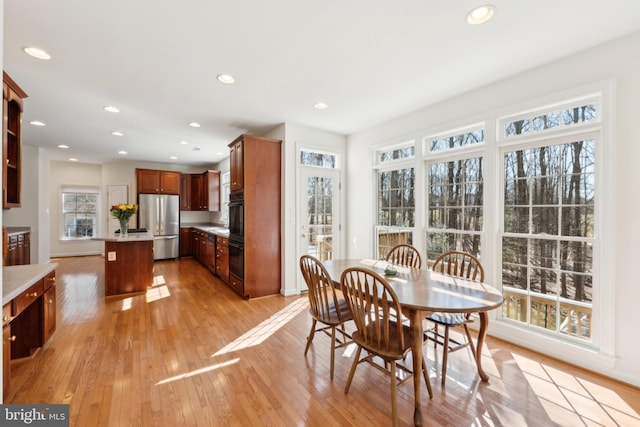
(151, 181)
(28, 320)
(18, 246)
(205, 191)
(236, 164)
(222, 258)
(6, 348)
(186, 242)
(49, 307)
(12, 96)
(256, 180)
(210, 253)
(185, 192)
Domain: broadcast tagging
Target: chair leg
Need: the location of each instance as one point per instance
(333, 350)
(310, 337)
(394, 386)
(445, 354)
(425, 372)
(356, 360)
(473, 347)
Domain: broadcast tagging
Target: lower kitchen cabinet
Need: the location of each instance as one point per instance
(186, 242)
(28, 320)
(222, 258)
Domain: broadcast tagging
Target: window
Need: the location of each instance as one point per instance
(224, 196)
(455, 211)
(396, 199)
(320, 159)
(549, 220)
(79, 213)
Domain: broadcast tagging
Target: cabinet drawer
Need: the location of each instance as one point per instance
(27, 297)
(49, 280)
(6, 314)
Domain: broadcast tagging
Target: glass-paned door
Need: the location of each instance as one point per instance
(319, 221)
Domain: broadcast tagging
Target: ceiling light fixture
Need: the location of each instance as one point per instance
(226, 79)
(73, 159)
(173, 158)
(320, 106)
(63, 146)
(36, 123)
(117, 133)
(36, 53)
(183, 142)
(481, 14)
(111, 109)
(122, 152)
(194, 124)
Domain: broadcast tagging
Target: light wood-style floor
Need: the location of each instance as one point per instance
(192, 353)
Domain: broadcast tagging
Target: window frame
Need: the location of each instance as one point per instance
(67, 189)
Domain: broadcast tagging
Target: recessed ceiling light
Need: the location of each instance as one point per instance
(320, 106)
(36, 53)
(36, 123)
(219, 153)
(63, 146)
(481, 14)
(117, 133)
(122, 152)
(226, 79)
(73, 159)
(183, 142)
(111, 109)
(194, 124)
(173, 158)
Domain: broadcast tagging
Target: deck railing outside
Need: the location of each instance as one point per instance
(575, 318)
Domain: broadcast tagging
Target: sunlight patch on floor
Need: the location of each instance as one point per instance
(126, 304)
(565, 396)
(198, 371)
(157, 292)
(264, 330)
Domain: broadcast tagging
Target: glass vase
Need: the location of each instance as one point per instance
(124, 226)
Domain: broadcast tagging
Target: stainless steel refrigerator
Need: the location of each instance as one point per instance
(160, 215)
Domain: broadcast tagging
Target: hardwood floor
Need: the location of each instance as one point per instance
(190, 352)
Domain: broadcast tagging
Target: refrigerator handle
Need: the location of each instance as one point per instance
(161, 214)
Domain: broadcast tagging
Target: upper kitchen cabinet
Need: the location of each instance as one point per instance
(236, 163)
(12, 96)
(152, 181)
(200, 191)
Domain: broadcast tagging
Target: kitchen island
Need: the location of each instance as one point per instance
(128, 263)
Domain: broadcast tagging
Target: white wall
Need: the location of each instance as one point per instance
(618, 60)
(294, 136)
(27, 213)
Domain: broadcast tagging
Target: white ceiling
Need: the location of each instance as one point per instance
(369, 60)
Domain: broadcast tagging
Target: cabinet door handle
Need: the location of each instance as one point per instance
(6, 318)
(12, 338)
(50, 301)
(34, 294)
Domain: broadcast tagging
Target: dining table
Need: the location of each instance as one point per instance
(422, 292)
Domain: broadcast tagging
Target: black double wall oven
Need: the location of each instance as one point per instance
(236, 234)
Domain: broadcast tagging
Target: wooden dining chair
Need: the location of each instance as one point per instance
(463, 265)
(405, 255)
(373, 303)
(327, 308)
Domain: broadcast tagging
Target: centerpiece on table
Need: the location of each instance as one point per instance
(123, 212)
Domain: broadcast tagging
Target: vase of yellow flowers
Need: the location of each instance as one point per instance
(122, 213)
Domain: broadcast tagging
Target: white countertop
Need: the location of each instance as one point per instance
(18, 278)
(130, 237)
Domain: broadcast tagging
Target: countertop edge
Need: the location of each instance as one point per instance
(131, 237)
(18, 278)
(211, 229)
